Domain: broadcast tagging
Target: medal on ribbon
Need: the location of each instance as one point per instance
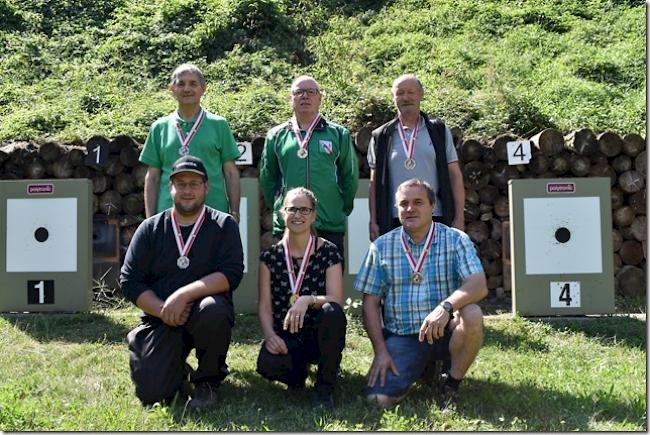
(183, 261)
(303, 143)
(296, 281)
(416, 276)
(185, 141)
(409, 146)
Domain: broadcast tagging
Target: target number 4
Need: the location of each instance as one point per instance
(518, 152)
(565, 294)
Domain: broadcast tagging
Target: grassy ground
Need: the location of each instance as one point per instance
(70, 372)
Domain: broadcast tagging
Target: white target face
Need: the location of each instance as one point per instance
(562, 235)
(42, 235)
(358, 235)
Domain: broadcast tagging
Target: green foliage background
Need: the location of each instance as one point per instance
(70, 69)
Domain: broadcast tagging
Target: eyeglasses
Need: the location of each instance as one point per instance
(182, 185)
(302, 210)
(310, 92)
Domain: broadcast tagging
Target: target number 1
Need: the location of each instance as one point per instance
(40, 292)
(97, 151)
(565, 294)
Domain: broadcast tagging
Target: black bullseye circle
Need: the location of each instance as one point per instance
(562, 235)
(41, 234)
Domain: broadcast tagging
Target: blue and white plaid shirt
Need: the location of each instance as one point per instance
(386, 273)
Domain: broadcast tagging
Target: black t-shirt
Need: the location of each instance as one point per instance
(314, 283)
(150, 261)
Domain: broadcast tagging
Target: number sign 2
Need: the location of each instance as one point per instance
(565, 294)
(40, 292)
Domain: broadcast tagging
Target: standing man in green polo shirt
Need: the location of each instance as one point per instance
(310, 151)
(191, 130)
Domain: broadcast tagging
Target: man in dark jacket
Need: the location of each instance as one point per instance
(413, 146)
(181, 269)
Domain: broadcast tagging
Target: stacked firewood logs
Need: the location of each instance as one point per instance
(118, 186)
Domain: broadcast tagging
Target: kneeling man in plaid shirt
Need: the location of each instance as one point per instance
(420, 285)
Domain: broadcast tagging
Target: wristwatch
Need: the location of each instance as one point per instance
(448, 307)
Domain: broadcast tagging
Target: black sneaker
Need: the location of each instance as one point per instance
(322, 400)
(448, 398)
(205, 395)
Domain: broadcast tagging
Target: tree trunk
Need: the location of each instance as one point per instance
(640, 164)
(129, 156)
(639, 228)
(110, 203)
(124, 183)
(62, 168)
(631, 181)
(549, 141)
(580, 165)
(630, 281)
(495, 229)
(114, 166)
(623, 216)
(490, 249)
(603, 170)
(502, 207)
(266, 240)
(500, 145)
(100, 183)
(472, 196)
(362, 139)
(471, 150)
(267, 220)
(633, 144)
(560, 164)
(638, 201)
(631, 252)
(622, 163)
(133, 203)
(76, 156)
(617, 239)
(82, 172)
(477, 231)
(35, 169)
(610, 143)
(471, 212)
(50, 151)
(139, 172)
(501, 173)
(476, 175)
(489, 194)
(618, 198)
(582, 141)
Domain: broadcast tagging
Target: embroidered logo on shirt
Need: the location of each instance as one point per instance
(326, 145)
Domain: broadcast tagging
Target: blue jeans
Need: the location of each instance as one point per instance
(411, 358)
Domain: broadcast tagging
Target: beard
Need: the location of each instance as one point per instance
(188, 210)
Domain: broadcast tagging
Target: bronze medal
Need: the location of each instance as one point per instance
(416, 277)
(302, 153)
(293, 299)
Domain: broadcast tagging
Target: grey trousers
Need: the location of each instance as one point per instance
(157, 352)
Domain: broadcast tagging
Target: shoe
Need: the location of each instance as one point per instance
(205, 395)
(448, 398)
(322, 400)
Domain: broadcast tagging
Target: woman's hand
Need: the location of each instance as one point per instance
(296, 315)
(276, 345)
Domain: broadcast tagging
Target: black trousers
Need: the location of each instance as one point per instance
(321, 343)
(157, 352)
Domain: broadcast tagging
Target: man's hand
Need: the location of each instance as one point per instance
(176, 309)
(433, 326)
(373, 229)
(276, 345)
(379, 368)
(459, 223)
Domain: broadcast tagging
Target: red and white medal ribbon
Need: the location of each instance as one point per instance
(409, 147)
(303, 143)
(296, 281)
(185, 141)
(417, 267)
(184, 247)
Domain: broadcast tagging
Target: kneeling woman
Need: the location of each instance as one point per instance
(300, 298)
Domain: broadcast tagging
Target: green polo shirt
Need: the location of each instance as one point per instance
(213, 143)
